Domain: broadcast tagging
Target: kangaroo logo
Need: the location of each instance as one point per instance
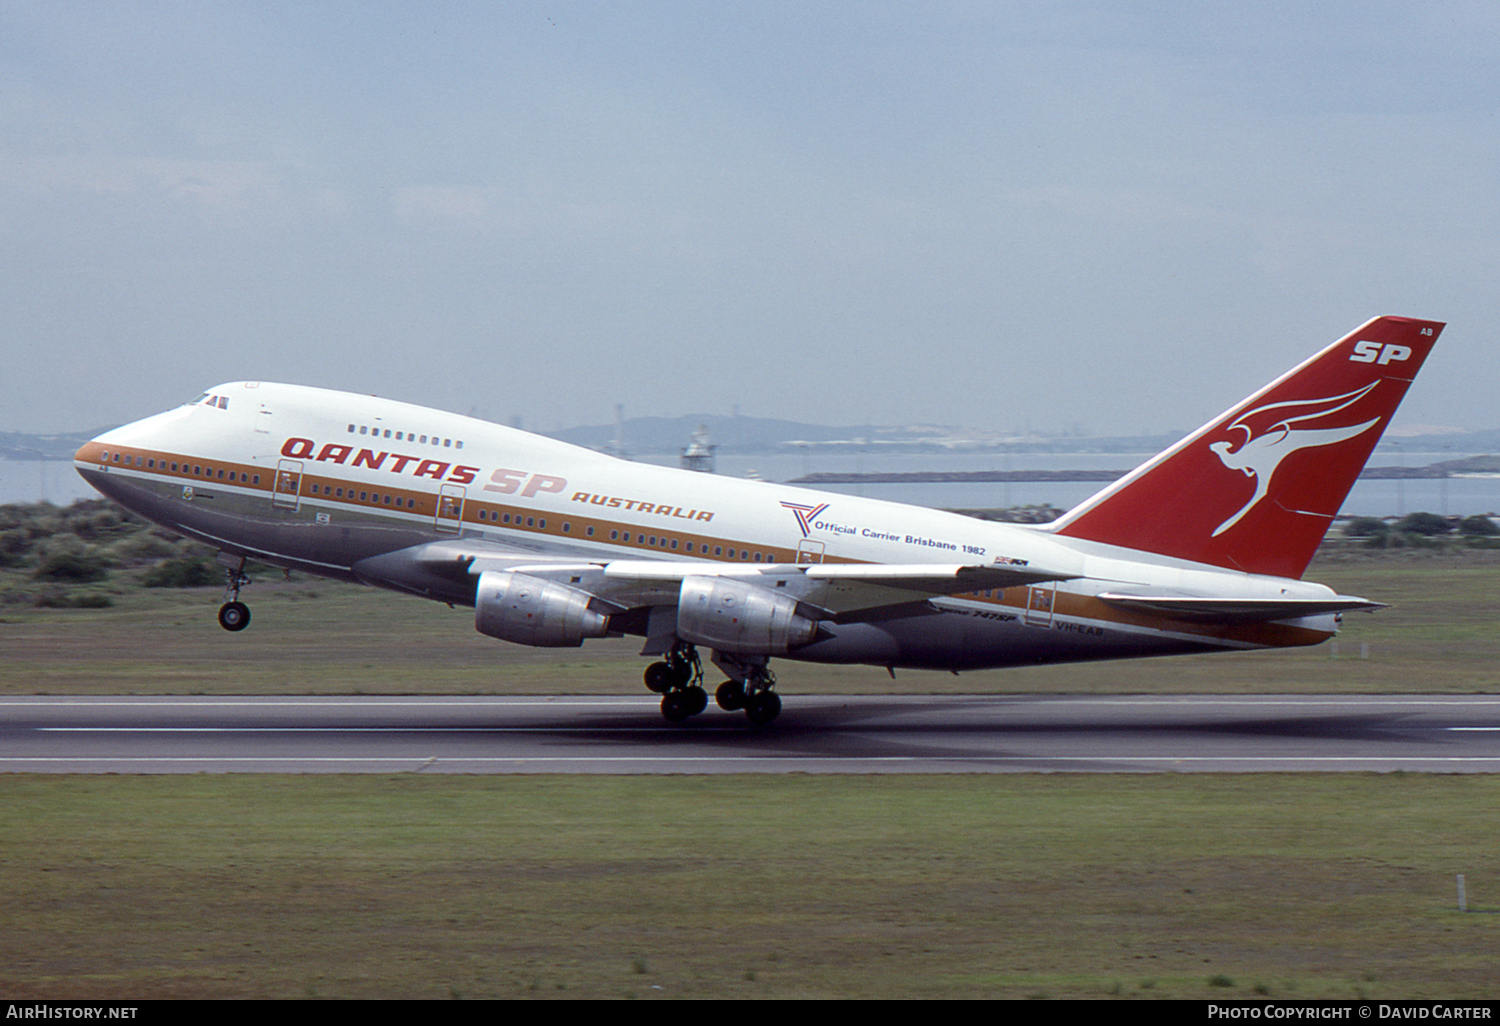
(1270, 437)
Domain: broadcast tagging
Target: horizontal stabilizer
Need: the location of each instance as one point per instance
(1236, 610)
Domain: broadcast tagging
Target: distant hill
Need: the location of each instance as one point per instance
(754, 435)
(652, 436)
(17, 446)
(730, 434)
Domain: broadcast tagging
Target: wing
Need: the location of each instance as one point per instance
(842, 592)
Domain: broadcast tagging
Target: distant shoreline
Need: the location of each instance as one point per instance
(1452, 468)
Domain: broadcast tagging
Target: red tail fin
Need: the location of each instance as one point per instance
(1256, 489)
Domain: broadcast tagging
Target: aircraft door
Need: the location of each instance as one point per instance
(1039, 604)
(809, 551)
(286, 493)
(450, 508)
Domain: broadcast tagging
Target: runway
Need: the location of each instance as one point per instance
(815, 734)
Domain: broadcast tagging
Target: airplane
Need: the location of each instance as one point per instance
(1200, 549)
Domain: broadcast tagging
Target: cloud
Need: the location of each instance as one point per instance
(231, 184)
(443, 205)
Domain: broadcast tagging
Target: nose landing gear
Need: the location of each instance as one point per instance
(234, 615)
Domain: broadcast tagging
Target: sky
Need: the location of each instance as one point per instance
(1108, 218)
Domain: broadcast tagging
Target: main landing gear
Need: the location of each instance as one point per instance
(234, 615)
(679, 680)
(753, 694)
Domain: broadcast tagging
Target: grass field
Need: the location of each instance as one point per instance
(1442, 634)
(1317, 886)
(1150, 886)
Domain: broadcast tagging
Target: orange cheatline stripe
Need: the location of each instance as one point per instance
(1065, 604)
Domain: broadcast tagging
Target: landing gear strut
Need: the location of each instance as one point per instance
(234, 615)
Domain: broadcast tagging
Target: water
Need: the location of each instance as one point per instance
(1454, 496)
(36, 480)
(57, 482)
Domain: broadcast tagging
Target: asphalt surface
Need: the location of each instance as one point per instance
(846, 734)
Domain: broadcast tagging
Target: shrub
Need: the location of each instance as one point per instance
(140, 548)
(1366, 527)
(15, 542)
(180, 573)
(1423, 523)
(1477, 526)
(71, 565)
(59, 598)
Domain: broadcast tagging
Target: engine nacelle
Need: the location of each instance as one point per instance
(531, 611)
(731, 616)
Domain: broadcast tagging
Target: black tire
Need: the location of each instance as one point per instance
(696, 698)
(730, 696)
(675, 706)
(763, 707)
(659, 678)
(234, 616)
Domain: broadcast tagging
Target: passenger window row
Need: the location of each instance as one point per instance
(697, 548)
(405, 436)
(196, 469)
(701, 549)
(382, 498)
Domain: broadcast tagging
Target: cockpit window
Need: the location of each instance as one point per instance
(198, 400)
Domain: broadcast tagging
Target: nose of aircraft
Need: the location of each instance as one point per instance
(87, 456)
(119, 446)
(86, 451)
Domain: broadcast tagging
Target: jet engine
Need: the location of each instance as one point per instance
(732, 616)
(531, 611)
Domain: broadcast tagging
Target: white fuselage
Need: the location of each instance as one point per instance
(334, 483)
